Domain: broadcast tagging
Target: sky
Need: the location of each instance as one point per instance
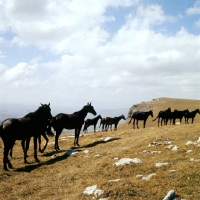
(113, 53)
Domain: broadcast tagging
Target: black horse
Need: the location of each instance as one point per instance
(164, 115)
(178, 114)
(25, 143)
(114, 120)
(191, 115)
(23, 129)
(93, 121)
(103, 120)
(70, 121)
(142, 116)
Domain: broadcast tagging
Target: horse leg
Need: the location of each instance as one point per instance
(94, 127)
(46, 138)
(78, 133)
(137, 123)
(192, 120)
(110, 127)
(35, 149)
(58, 132)
(25, 147)
(144, 123)
(158, 121)
(134, 123)
(6, 161)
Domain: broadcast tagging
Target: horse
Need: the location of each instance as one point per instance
(163, 114)
(93, 121)
(43, 132)
(24, 128)
(191, 114)
(114, 120)
(142, 116)
(70, 121)
(178, 114)
(102, 123)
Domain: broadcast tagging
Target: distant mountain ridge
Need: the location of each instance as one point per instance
(18, 110)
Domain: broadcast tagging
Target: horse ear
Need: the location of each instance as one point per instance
(87, 103)
(49, 104)
(90, 103)
(41, 104)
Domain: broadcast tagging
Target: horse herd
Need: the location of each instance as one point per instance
(39, 123)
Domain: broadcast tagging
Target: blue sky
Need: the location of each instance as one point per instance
(112, 53)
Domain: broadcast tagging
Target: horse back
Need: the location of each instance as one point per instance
(68, 121)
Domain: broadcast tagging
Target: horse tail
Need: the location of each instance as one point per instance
(155, 118)
(130, 121)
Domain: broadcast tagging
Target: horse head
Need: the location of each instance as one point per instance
(89, 108)
(168, 110)
(123, 117)
(45, 110)
(151, 112)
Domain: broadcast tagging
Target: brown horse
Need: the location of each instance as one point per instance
(90, 122)
(164, 115)
(140, 116)
(114, 120)
(71, 121)
(191, 115)
(23, 129)
(103, 120)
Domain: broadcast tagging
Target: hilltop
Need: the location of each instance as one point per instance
(161, 159)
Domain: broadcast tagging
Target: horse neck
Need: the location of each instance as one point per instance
(82, 112)
(38, 113)
(118, 118)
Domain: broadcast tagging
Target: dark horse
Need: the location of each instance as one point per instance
(142, 116)
(191, 115)
(71, 121)
(103, 120)
(164, 115)
(46, 131)
(178, 114)
(114, 120)
(23, 129)
(93, 121)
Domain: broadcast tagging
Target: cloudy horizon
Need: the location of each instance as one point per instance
(110, 53)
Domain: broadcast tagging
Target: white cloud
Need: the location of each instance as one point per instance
(135, 63)
(195, 10)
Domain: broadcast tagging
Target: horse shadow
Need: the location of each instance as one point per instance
(31, 167)
(99, 142)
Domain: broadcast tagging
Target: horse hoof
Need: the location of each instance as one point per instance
(37, 160)
(6, 169)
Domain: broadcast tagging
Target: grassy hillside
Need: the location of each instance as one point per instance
(62, 176)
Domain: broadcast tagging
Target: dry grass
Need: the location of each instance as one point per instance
(66, 177)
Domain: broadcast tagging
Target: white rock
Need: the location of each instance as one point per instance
(169, 146)
(190, 143)
(125, 161)
(90, 190)
(194, 160)
(98, 192)
(175, 148)
(146, 178)
(116, 180)
(189, 151)
(161, 164)
(198, 139)
(170, 195)
(139, 176)
(86, 151)
(106, 139)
